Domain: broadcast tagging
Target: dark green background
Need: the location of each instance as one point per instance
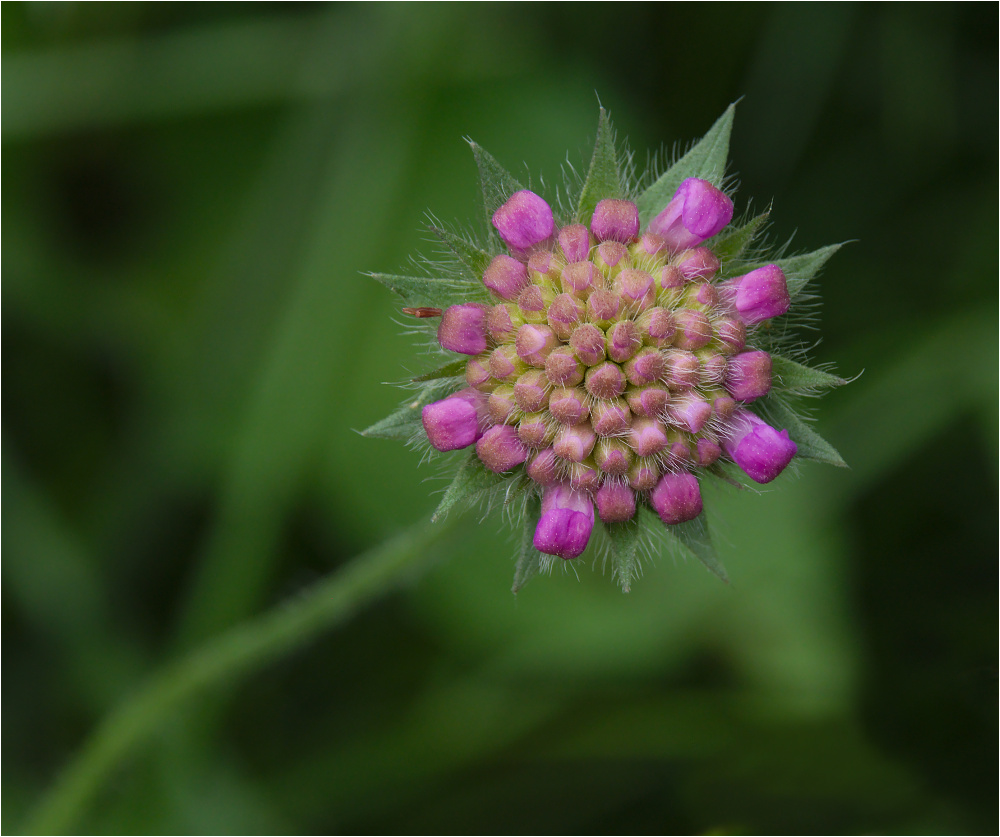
(190, 193)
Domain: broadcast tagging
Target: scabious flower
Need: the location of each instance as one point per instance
(609, 357)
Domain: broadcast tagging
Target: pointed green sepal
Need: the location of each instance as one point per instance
(694, 539)
(496, 182)
(404, 423)
(604, 178)
(626, 539)
(810, 444)
(706, 159)
(418, 291)
(452, 369)
(733, 242)
(472, 484)
(789, 376)
(528, 558)
(471, 256)
(799, 270)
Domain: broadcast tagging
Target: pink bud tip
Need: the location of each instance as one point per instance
(506, 277)
(534, 342)
(588, 343)
(606, 380)
(700, 263)
(697, 212)
(748, 376)
(500, 449)
(615, 220)
(575, 242)
(543, 467)
(707, 452)
(575, 443)
(690, 411)
(677, 498)
(566, 522)
(647, 437)
(693, 329)
(760, 294)
(463, 328)
(580, 278)
(569, 405)
(524, 220)
(615, 503)
(454, 422)
(760, 450)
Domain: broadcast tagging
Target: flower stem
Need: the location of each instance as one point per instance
(329, 603)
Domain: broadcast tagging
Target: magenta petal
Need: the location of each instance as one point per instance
(697, 211)
(566, 522)
(454, 422)
(761, 294)
(524, 220)
(760, 450)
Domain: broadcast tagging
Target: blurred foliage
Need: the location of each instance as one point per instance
(190, 194)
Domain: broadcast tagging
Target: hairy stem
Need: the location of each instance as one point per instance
(328, 603)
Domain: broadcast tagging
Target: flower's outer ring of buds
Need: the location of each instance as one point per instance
(456, 421)
(615, 503)
(575, 242)
(566, 522)
(697, 212)
(615, 220)
(760, 294)
(760, 450)
(524, 220)
(463, 328)
(677, 498)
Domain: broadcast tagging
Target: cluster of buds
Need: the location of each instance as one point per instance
(613, 362)
(611, 365)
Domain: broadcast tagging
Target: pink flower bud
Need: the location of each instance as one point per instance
(697, 212)
(543, 467)
(649, 402)
(624, 340)
(463, 328)
(500, 450)
(636, 289)
(760, 450)
(502, 406)
(615, 220)
(566, 522)
(506, 277)
(531, 392)
(477, 374)
(749, 376)
(575, 443)
(524, 221)
(645, 368)
(610, 418)
(505, 365)
(575, 242)
(612, 256)
(615, 503)
(658, 327)
(644, 474)
(693, 329)
(700, 263)
(588, 343)
(683, 369)
(533, 303)
(534, 342)
(602, 307)
(707, 452)
(565, 312)
(569, 405)
(671, 278)
(612, 456)
(580, 278)
(677, 498)
(503, 321)
(651, 244)
(731, 334)
(690, 411)
(724, 407)
(456, 421)
(583, 476)
(647, 436)
(606, 380)
(760, 294)
(536, 430)
(562, 367)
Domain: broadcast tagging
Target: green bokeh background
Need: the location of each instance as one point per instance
(190, 195)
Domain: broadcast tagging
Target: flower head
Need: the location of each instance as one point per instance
(606, 358)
